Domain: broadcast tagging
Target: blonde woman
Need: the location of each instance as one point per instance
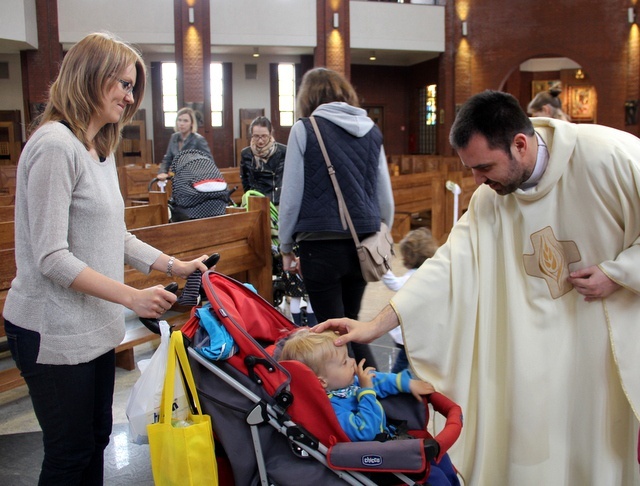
(63, 313)
(186, 136)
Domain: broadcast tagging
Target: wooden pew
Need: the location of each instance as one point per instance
(8, 179)
(242, 238)
(232, 177)
(7, 213)
(135, 217)
(134, 183)
(414, 195)
(146, 215)
(7, 199)
(7, 235)
(10, 377)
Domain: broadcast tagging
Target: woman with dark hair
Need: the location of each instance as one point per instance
(63, 313)
(262, 162)
(548, 103)
(309, 213)
(186, 137)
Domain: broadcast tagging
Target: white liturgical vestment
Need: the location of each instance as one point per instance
(549, 384)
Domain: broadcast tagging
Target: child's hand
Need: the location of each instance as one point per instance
(365, 375)
(419, 388)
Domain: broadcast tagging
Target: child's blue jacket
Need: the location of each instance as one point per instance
(358, 410)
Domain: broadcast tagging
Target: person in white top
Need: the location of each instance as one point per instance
(416, 247)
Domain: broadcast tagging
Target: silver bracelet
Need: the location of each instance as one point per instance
(170, 266)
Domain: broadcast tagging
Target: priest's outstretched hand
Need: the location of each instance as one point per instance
(358, 331)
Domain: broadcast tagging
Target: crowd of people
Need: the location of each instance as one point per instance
(526, 315)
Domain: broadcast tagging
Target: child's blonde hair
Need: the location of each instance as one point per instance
(418, 245)
(310, 348)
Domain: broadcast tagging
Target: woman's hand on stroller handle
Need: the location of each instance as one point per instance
(152, 302)
(151, 321)
(184, 269)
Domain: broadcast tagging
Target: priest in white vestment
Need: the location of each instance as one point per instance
(529, 315)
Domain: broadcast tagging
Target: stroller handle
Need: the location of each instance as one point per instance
(154, 324)
(156, 180)
(229, 192)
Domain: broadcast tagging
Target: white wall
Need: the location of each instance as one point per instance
(18, 22)
(137, 22)
(400, 27)
(262, 22)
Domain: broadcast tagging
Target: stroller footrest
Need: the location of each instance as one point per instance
(407, 456)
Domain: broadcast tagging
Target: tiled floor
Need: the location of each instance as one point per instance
(126, 463)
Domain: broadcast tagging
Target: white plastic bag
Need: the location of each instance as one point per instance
(143, 406)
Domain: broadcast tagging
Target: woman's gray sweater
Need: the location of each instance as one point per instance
(69, 215)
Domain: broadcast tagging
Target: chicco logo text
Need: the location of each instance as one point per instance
(372, 461)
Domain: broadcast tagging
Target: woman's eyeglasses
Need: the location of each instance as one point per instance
(260, 137)
(126, 86)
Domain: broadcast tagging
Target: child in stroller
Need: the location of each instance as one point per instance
(198, 187)
(281, 409)
(354, 390)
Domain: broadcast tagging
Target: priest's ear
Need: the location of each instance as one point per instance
(520, 146)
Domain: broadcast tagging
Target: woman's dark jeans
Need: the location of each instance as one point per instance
(73, 406)
(332, 275)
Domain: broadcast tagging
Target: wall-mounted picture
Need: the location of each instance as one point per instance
(540, 85)
(582, 103)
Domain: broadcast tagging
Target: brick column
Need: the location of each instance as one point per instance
(193, 58)
(333, 48)
(40, 67)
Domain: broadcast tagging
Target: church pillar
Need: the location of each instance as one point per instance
(333, 49)
(193, 58)
(40, 67)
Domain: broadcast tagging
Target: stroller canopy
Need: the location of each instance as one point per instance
(199, 189)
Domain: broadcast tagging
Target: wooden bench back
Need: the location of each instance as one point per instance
(414, 194)
(7, 213)
(8, 178)
(134, 183)
(7, 235)
(242, 239)
(232, 177)
(147, 215)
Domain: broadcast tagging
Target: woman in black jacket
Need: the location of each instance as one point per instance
(262, 162)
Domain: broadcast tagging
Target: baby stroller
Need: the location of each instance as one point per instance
(198, 187)
(280, 409)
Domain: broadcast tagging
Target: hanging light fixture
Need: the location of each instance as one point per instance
(579, 74)
(256, 52)
(372, 56)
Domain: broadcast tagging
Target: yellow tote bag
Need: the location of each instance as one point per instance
(181, 453)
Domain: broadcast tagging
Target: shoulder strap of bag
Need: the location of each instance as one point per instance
(342, 207)
(178, 354)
